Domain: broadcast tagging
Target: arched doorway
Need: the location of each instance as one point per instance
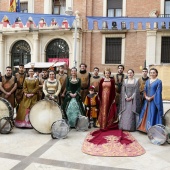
(57, 50)
(20, 53)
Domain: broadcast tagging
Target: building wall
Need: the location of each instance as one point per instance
(39, 6)
(135, 50)
(90, 43)
(141, 8)
(4, 5)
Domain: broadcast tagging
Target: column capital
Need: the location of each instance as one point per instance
(35, 36)
(1, 37)
(151, 32)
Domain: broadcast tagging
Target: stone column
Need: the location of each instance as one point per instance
(35, 56)
(151, 47)
(75, 61)
(69, 4)
(2, 64)
(43, 57)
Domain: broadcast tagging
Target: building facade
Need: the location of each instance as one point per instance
(106, 46)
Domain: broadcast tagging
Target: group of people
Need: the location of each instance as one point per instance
(109, 102)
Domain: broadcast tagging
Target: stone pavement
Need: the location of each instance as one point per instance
(26, 149)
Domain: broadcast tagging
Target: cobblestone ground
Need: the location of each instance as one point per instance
(26, 149)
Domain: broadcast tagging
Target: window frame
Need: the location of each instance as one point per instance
(161, 57)
(104, 36)
(165, 7)
(58, 5)
(25, 2)
(105, 11)
(30, 5)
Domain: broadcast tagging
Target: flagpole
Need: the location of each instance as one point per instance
(75, 43)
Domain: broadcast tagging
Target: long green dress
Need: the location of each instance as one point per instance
(73, 107)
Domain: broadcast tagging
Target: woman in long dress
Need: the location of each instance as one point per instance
(129, 103)
(108, 119)
(52, 87)
(30, 89)
(107, 114)
(152, 110)
(73, 106)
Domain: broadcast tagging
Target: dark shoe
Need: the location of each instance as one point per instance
(95, 126)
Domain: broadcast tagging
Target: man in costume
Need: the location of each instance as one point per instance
(41, 82)
(142, 82)
(20, 76)
(62, 77)
(8, 85)
(95, 79)
(91, 105)
(85, 80)
(120, 76)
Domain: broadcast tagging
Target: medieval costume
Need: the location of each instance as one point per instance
(152, 111)
(129, 110)
(92, 105)
(94, 81)
(20, 81)
(30, 86)
(118, 84)
(85, 83)
(142, 82)
(72, 106)
(40, 92)
(108, 121)
(107, 113)
(51, 89)
(8, 83)
(62, 78)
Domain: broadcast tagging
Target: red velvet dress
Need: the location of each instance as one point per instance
(107, 115)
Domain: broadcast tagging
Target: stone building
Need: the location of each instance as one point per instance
(131, 32)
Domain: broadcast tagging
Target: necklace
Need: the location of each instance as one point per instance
(152, 80)
(107, 79)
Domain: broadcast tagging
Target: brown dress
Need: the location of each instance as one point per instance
(118, 84)
(85, 83)
(8, 84)
(40, 91)
(62, 78)
(30, 86)
(20, 81)
(94, 81)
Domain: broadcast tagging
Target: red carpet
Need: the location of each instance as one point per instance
(111, 143)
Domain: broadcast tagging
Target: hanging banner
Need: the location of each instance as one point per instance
(163, 72)
(66, 60)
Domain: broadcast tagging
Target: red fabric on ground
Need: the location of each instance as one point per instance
(99, 136)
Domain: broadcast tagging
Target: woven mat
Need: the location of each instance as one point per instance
(113, 147)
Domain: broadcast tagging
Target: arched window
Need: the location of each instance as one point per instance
(21, 53)
(57, 48)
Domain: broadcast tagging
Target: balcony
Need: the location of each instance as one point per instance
(164, 15)
(129, 23)
(12, 21)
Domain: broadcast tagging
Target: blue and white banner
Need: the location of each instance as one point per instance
(36, 18)
(127, 21)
